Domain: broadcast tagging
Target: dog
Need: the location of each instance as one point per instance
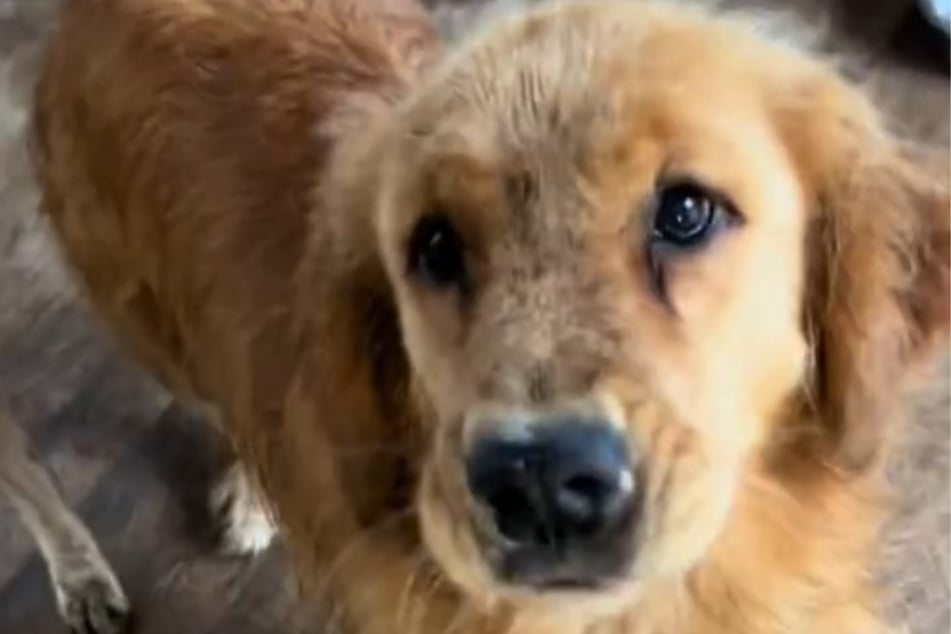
(596, 322)
(90, 598)
(88, 594)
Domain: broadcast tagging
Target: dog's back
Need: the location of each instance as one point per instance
(167, 128)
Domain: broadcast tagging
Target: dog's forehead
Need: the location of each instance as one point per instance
(569, 85)
(534, 90)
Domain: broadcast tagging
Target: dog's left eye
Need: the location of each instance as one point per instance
(435, 252)
(685, 214)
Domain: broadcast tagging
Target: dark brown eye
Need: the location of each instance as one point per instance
(435, 252)
(686, 215)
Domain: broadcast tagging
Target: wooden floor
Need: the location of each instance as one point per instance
(137, 469)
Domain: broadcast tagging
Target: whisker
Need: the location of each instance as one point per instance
(387, 521)
(436, 581)
(403, 605)
(461, 618)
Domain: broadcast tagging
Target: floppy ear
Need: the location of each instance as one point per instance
(878, 250)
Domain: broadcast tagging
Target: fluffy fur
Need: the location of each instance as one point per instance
(235, 184)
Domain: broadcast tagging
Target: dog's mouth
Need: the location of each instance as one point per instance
(558, 567)
(555, 577)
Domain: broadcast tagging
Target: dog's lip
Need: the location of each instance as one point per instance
(558, 576)
(568, 586)
(572, 584)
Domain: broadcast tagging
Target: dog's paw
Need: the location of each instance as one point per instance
(244, 525)
(90, 599)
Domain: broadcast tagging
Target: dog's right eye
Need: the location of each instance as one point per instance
(435, 252)
(686, 215)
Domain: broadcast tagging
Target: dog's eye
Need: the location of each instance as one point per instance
(435, 252)
(685, 213)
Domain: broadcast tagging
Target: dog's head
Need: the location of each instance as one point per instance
(635, 253)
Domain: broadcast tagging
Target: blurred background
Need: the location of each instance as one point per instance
(137, 469)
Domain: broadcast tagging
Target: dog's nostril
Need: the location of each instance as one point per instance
(514, 514)
(581, 499)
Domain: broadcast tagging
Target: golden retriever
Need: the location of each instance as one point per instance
(596, 324)
(89, 597)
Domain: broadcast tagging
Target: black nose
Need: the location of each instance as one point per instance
(561, 486)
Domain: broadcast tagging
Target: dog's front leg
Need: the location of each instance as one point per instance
(88, 594)
(242, 520)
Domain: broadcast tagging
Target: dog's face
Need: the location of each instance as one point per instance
(597, 223)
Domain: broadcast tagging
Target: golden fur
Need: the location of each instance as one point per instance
(235, 184)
